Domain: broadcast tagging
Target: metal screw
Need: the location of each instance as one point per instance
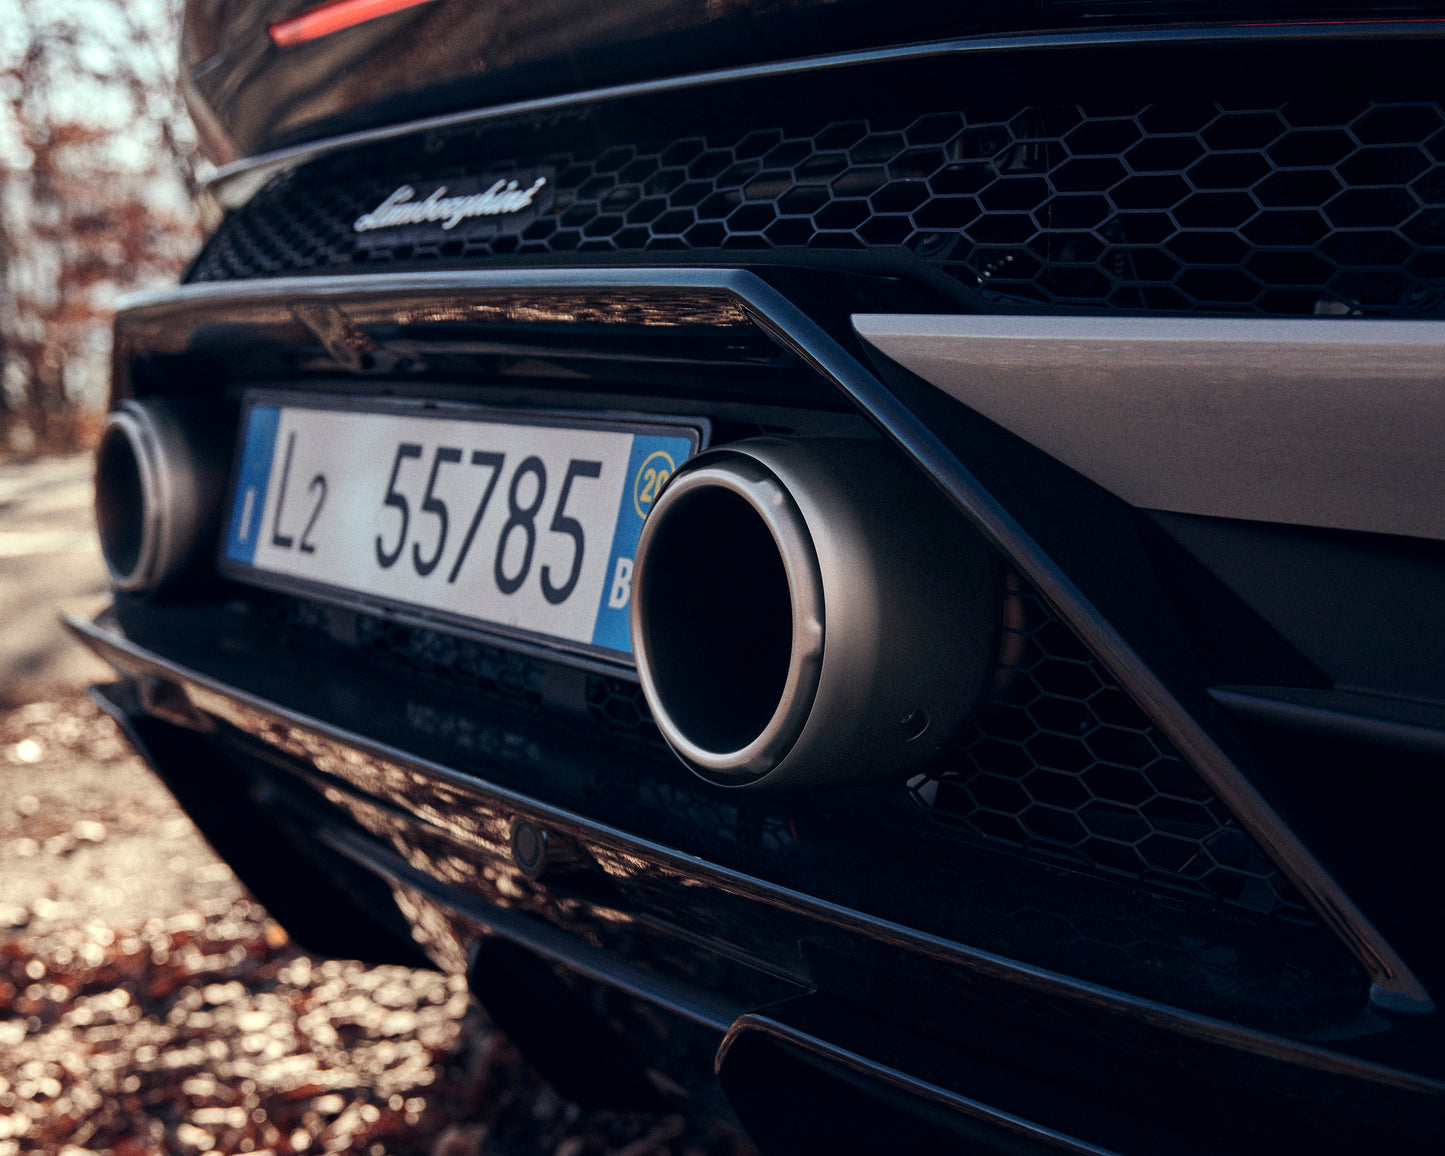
(529, 849)
(914, 723)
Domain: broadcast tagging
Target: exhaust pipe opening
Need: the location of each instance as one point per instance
(809, 614)
(119, 501)
(720, 614)
(159, 469)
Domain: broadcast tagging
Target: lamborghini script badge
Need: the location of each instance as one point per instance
(401, 208)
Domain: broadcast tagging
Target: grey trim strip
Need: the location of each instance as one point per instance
(236, 183)
(133, 661)
(1393, 986)
(1317, 422)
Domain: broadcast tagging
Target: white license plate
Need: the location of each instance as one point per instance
(485, 518)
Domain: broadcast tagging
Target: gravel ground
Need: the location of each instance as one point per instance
(148, 1005)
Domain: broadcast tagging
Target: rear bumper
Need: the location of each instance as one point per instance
(669, 961)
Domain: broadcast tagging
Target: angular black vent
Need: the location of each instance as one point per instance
(1291, 208)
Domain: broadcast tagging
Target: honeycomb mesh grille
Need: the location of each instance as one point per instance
(1062, 764)
(620, 706)
(1299, 207)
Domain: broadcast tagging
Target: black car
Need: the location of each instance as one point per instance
(874, 569)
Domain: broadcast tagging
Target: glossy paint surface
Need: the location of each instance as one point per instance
(454, 54)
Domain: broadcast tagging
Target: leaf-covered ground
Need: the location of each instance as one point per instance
(148, 1006)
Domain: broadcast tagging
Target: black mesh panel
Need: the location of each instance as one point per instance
(1296, 207)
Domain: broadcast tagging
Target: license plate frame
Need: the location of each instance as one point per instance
(626, 446)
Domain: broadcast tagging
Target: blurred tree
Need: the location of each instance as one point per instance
(96, 169)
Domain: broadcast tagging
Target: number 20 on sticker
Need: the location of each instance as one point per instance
(651, 477)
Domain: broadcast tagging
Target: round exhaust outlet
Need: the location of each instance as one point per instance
(809, 614)
(157, 493)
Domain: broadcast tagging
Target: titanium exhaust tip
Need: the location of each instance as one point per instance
(808, 614)
(157, 494)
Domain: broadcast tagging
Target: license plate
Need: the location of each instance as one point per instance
(522, 524)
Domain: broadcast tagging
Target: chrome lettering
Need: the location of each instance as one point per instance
(400, 209)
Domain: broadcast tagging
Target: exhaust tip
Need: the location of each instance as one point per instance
(121, 502)
(808, 614)
(727, 623)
